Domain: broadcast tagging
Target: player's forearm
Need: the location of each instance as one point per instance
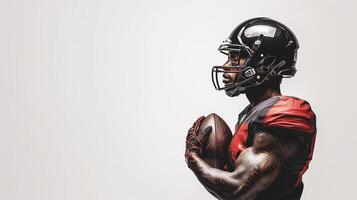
(218, 182)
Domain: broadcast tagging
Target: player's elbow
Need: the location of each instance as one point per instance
(230, 196)
(236, 193)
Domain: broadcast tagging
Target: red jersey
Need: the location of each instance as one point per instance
(281, 115)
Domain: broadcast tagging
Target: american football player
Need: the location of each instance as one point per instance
(274, 137)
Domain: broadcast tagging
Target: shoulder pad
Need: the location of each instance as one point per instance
(291, 113)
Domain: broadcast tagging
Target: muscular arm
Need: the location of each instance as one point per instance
(255, 169)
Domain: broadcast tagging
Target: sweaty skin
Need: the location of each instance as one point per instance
(255, 168)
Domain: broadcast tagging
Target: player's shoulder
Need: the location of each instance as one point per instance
(291, 105)
(289, 102)
(283, 104)
(290, 113)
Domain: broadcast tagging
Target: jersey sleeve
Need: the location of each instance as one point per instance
(291, 114)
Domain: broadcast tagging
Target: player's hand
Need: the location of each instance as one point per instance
(195, 140)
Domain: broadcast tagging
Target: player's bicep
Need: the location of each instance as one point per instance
(258, 166)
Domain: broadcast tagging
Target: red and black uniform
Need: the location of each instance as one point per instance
(289, 117)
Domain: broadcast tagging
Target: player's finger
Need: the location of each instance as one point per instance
(198, 123)
(199, 120)
(207, 131)
(194, 125)
(189, 134)
(203, 136)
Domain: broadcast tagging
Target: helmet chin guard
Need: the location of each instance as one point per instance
(270, 50)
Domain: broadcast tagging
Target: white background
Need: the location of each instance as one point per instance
(96, 96)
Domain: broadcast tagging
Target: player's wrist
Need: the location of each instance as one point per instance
(191, 159)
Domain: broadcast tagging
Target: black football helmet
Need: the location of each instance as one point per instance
(269, 49)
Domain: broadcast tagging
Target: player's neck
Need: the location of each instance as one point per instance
(258, 96)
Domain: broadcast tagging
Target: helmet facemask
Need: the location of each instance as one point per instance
(254, 72)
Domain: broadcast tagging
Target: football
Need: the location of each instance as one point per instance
(215, 150)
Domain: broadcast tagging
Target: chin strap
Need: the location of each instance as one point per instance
(234, 92)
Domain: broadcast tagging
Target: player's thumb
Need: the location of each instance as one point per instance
(207, 131)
